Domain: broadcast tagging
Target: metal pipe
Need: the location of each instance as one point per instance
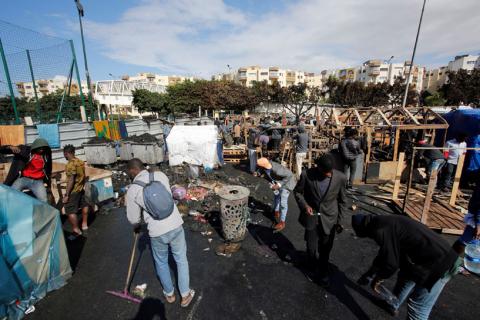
(9, 82)
(37, 103)
(413, 57)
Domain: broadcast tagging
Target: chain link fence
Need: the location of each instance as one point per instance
(39, 77)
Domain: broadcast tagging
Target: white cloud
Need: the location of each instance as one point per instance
(203, 36)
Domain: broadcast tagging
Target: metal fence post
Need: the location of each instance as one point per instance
(37, 103)
(82, 98)
(9, 81)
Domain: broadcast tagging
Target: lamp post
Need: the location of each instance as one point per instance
(413, 57)
(389, 60)
(87, 73)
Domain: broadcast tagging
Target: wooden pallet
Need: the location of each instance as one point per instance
(234, 155)
(441, 215)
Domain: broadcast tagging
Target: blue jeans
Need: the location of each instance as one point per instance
(36, 186)
(436, 164)
(220, 152)
(175, 240)
(252, 156)
(420, 300)
(468, 235)
(280, 203)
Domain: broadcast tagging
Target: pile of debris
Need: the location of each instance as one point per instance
(143, 138)
(98, 140)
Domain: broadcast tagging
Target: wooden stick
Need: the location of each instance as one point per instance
(409, 182)
(127, 282)
(398, 176)
(456, 181)
(432, 182)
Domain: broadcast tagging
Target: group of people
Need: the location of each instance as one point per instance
(31, 170)
(424, 260)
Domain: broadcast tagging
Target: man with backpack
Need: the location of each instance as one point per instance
(149, 199)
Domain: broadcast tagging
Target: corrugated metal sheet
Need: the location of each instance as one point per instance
(139, 127)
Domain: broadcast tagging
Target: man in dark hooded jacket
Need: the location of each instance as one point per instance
(426, 262)
(31, 167)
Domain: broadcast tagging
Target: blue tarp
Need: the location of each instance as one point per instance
(33, 255)
(50, 133)
(468, 122)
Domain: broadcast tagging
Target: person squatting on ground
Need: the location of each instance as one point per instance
(455, 147)
(74, 197)
(472, 221)
(31, 168)
(282, 183)
(165, 234)
(320, 195)
(426, 262)
(351, 150)
(301, 148)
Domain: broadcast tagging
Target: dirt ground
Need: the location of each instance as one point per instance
(264, 280)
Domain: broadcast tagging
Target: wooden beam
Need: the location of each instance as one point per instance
(432, 182)
(358, 116)
(398, 175)
(456, 181)
(397, 143)
(383, 116)
(411, 116)
(335, 116)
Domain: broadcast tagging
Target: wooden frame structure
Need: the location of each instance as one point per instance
(425, 206)
(384, 130)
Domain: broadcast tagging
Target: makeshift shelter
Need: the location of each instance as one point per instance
(195, 145)
(34, 258)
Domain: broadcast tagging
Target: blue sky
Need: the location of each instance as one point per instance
(200, 37)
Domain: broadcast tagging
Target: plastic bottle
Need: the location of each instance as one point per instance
(472, 256)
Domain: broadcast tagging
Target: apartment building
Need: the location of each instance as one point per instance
(157, 79)
(47, 86)
(465, 62)
(435, 78)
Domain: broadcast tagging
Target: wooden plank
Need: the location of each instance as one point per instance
(428, 196)
(456, 181)
(358, 116)
(411, 116)
(452, 231)
(398, 175)
(397, 143)
(383, 116)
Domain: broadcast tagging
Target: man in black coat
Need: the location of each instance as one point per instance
(320, 194)
(425, 260)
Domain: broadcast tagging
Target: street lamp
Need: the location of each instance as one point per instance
(87, 73)
(413, 56)
(389, 60)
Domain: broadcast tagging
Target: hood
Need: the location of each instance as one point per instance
(301, 129)
(39, 143)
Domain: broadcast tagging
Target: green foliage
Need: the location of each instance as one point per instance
(462, 87)
(48, 104)
(299, 99)
(147, 101)
(351, 94)
(435, 99)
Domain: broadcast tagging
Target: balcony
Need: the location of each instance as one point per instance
(374, 63)
(374, 72)
(273, 75)
(242, 75)
(273, 69)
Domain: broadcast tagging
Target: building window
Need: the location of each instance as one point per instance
(470, 62)
(264, 73)
(252, 74)
(383, 69)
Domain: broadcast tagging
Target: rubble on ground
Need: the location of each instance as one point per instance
(143, 138)
(98, 140)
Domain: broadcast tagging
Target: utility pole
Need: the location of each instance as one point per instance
(413, 57)
(87, 73)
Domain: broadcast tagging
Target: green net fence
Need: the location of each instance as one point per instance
(41, 72)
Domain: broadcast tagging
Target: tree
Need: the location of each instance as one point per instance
(147, 101)
(434, 99)
(299, 99)
(462, 87)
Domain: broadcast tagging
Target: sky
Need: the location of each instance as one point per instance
(201, 37)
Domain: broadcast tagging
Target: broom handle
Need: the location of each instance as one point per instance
(127, 282)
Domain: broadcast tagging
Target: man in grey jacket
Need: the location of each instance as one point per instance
(282, 182)
(164, 234)
(320, 194)
(351, 150)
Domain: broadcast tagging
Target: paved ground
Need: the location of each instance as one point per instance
(262, 281)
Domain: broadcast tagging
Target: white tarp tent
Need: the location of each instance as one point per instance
(192, 144)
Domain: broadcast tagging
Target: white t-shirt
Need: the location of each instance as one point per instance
(455, 149)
